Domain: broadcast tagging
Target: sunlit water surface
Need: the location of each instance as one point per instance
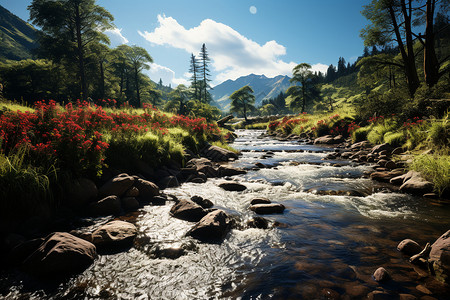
(320, 242)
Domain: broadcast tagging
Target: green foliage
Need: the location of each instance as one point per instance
(360, 134)
(242, 101)
(378, 131)
(439, 134)
(24, 189)
(377, 104)
(435, 168)
(395, 139)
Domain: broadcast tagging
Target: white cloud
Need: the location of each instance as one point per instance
(167, 75)
(116, 36)
(319, 67)
(232, 54)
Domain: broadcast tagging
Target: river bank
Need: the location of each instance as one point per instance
(322, 243)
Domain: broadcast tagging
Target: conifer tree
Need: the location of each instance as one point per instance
(204, 86)
(195, 70)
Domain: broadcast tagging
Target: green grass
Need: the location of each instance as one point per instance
(435, 168)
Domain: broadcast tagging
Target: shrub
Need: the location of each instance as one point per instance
(395, 139)
(360, 134)
(439, 134)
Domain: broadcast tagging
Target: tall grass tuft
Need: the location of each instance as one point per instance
(435, 168)
(25, 190)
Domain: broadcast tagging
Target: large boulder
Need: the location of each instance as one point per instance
(187, 210)
(232, 186)
(264, 209)
(382, 147)
(205, 166)
(116, 186)
(61, 254)
(440, 257)
(107, 206)
(114, 233)
(80, 192)
(416, 184)
(212, 227)
(147, 189)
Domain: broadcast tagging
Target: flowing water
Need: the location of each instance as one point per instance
(322, 245)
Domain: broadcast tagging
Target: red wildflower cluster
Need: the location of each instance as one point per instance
(375, 119)
(352, 127)
(335, 116)
(416, 121)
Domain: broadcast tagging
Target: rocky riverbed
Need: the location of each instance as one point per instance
(290, 218)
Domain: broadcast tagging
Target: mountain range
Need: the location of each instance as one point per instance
(17, 37)
(263, 87)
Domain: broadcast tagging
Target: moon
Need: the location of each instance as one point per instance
(253, 10)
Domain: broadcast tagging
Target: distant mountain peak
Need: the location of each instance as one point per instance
(263, 87)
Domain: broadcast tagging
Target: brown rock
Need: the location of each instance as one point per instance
(80, 192)
(188, 211)
(107, 206)
(379, 148)
(381, 275)
(440, 257)
(407, 297)
(263, 209)
(258, 222)
(260, 200)
(416, 185)
(329, 294)
(381, 176)
(205, 203)
(232, 186)
(212, 227)
(129, 203)
(390, 165)
(132, 192)
(117, 186)
(409, 247)
(61, 254)
(230, 171)
(114, 233)
(147, 189)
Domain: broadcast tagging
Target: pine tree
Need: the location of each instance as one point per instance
(195, 70)
(341, 67)
(204, 85)
(160, 84)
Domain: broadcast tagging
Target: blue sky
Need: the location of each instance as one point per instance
(260, 36)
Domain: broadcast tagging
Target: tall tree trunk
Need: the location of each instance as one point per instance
(138, 94)
(430, 62)
(303, 96)
(80, 52)
(408, 57)
(245, 112)
(102, 80)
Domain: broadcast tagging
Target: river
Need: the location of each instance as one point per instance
(321, 246)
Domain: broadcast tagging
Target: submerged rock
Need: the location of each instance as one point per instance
(212, 227)
(381, 275)
(61, 254)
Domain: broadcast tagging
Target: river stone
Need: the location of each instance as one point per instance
(346, 155)
(390, 165)
(129, 203)
(260, 200)
(212, 227)
(205, 203)
(440, 257)
(159, 200)
(327, 139)
(79, 192)
(263, 209)
(329, 294)
(107, 206)
(258, 222)
(416, 185)
(219, 154)
(407, 297)
(147, 189)
(187, 210)
(383, 176)
(230, 171)
(260, 165)
(409, 247)
(381, 295)
(116, 186)
(381, 275)
(168, 182)
(379, 148)
(232, 186)
(114, 233)
(132, 192)
(61, 254)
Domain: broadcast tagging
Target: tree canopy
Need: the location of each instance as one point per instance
(242, 101)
